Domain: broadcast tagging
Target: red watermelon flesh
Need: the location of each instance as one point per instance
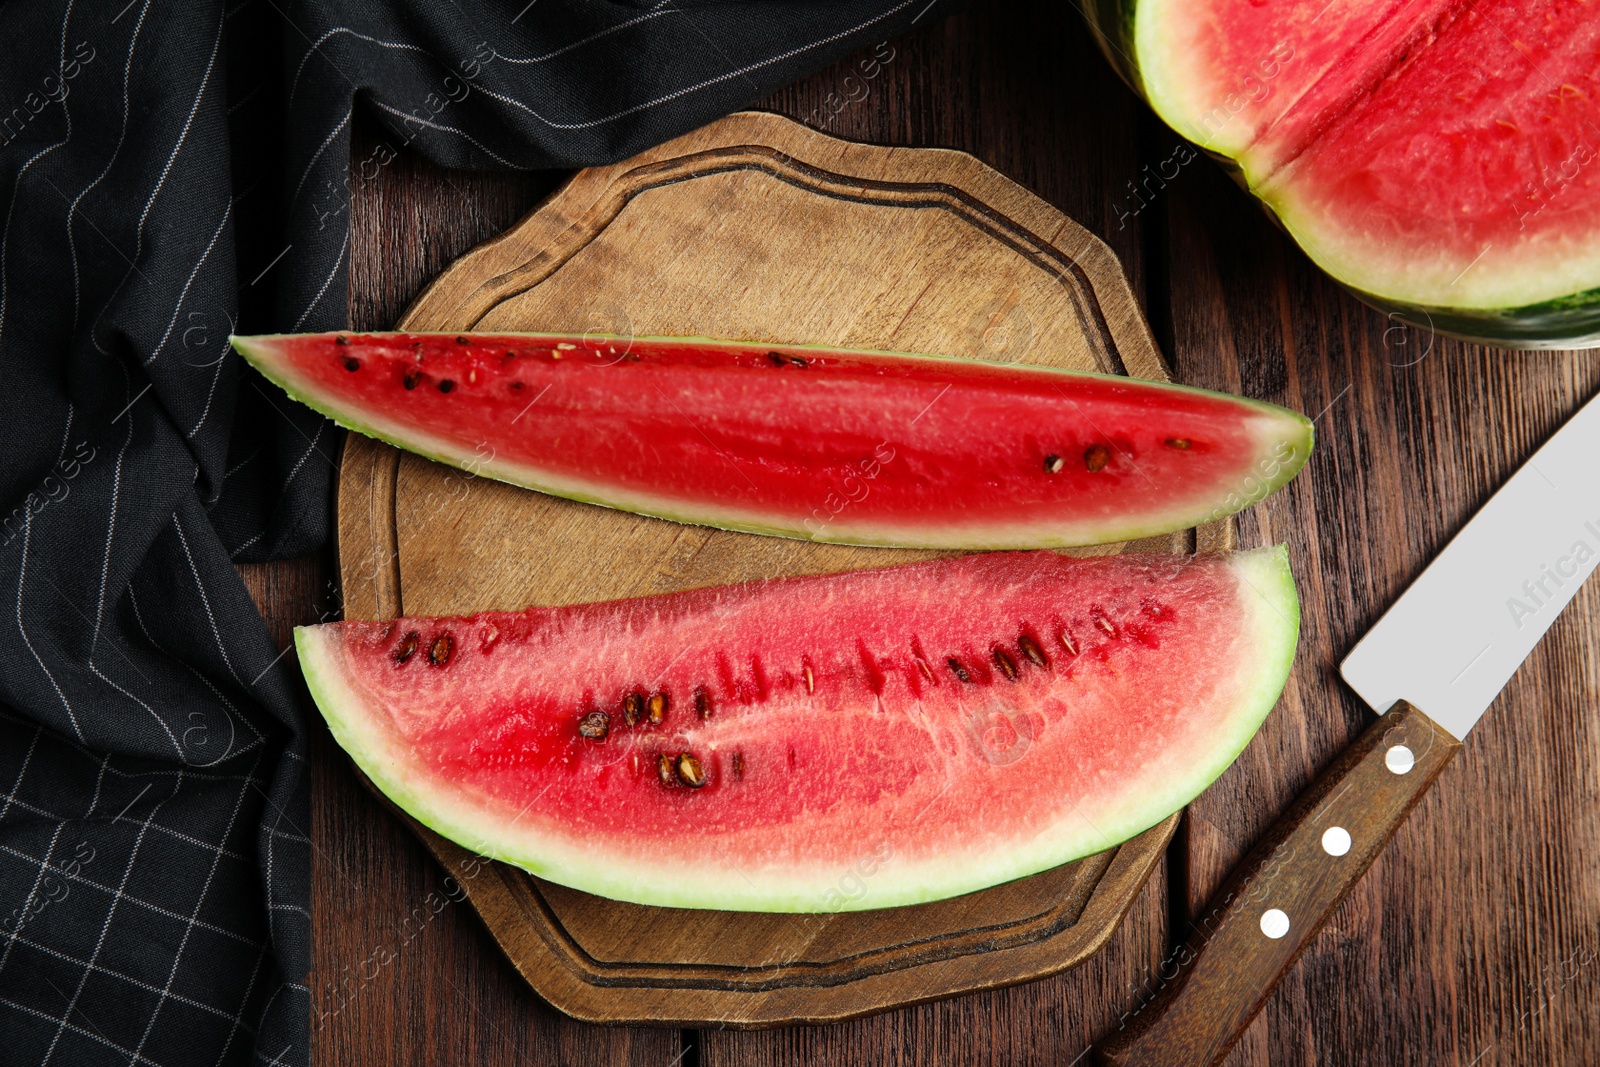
(1436, 154)
(950, 725)
(828, 445)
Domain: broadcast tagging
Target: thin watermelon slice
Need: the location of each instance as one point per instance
(849, 447)
(846, 741)
(1440, 158)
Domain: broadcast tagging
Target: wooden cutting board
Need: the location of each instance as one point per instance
(753, 227)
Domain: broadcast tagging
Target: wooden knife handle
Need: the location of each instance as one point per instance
(1278, 898)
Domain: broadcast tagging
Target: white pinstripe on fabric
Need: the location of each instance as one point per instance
(247, 543)
(205, 601)
(309, 449)
(244, 1001)
(138, 615)
(150, 772)
(176, 835)
(99, 780)
(12, 936)
(707, 83)
(166, 168)
(184, 293)
(128, 978)
(176, 748)
(294, 84)
(231, 471)
(656, 12)
(111, 912)
(211, 393)
(80, 1031)
(323, 147)
(166, 913)
(177, 957)
(16, 786)
(22, 577)
(122, 136)
(480, 146)
(66, 432)
(11, 208)
(332, 274)
(111, 515)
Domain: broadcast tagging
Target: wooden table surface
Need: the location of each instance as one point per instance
(1474, 939)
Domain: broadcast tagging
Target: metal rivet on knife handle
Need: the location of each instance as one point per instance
(1399, 759)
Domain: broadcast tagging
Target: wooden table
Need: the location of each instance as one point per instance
(1475, 938)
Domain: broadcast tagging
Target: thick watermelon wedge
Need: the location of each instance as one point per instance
(847, 741)
(849, 447)
(1440, 158)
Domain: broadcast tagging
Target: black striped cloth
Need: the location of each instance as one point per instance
(173, 172)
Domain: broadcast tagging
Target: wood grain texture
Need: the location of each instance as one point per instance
(754, 227)
(1275, 902)
(1475, 937)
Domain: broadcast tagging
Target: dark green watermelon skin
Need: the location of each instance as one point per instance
(1571, 321)
(1112, 24)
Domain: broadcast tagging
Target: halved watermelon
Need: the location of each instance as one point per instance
(839, 742)
(1437, 157)
(828, 445)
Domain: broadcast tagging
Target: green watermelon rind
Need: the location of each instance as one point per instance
(1268, 474)
(1570, 320)
(1268, 646)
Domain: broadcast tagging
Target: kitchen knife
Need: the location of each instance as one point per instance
(1430, 668)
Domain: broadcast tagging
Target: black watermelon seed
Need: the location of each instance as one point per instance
(407, 647)
(1053, 464)
(351, 363)
(689, 769)
(777, 358)
(702, 702)
(1007, 665)
(439, 653)
(798, 361)
(411, 379)
(1095, 458)
(516, 387)
(595, 725)
(633, 708)
(445, 385)
(1031, 649)
(462, 341)
(958, 670)
(341, 340)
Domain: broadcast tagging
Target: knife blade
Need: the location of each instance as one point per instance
(1430, 667)
(1455, 637)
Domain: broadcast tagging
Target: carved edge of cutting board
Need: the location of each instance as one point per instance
(512, 904)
